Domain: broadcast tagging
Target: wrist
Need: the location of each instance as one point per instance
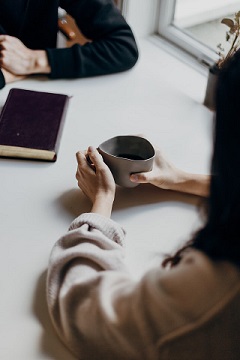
(103, 204)
(40, 62)
(180, 180)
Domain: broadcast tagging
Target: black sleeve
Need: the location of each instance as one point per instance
(2, 31)
(2, 80)
(112, 48)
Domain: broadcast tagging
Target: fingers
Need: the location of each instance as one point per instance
(89, 159)
(91, 156)
(95, 157)
(81, 158)
(7, 42)
(8, 38)
(2, 39)
(9, 77)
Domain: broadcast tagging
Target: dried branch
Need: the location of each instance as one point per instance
(232, 36)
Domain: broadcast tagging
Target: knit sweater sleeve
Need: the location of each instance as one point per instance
(95, 306)
(112, 47)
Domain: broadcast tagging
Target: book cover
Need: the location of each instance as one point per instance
(31, 124)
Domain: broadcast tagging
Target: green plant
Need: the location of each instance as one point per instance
(232, 37)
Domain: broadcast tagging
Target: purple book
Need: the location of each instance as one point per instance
(31, 124)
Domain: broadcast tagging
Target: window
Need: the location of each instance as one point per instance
(195, 26)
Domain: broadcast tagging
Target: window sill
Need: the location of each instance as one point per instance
(179, 54)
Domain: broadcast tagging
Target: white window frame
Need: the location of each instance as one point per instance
(154, 19)
(173, 34)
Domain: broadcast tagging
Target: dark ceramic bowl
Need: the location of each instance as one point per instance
(126, 155)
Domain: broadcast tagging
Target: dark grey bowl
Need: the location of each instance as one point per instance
(125, 155)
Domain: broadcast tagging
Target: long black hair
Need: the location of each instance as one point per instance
(219, 238)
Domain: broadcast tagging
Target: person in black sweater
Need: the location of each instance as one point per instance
(28, 36)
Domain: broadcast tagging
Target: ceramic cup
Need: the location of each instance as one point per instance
(126, 155)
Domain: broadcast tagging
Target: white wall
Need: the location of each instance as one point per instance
(141, 15)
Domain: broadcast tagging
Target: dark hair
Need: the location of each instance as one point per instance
(220, 236)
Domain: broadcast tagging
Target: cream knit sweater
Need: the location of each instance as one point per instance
(189, 312)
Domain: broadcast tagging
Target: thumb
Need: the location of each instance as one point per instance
(139, 178)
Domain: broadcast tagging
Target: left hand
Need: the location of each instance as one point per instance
(96, 181)
(17, 59)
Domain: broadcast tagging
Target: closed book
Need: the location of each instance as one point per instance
(31, 124)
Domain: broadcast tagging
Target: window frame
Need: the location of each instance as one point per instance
(180, 39)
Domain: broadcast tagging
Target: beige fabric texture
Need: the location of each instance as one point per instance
(189, 312)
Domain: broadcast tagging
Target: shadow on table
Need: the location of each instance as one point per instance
(50, 343)
(75, 202)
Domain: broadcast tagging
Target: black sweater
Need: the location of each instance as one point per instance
(35, 23)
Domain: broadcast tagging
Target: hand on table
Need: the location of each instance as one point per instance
(167, 176)
(163, 174)
(96, 181)
(17, 59)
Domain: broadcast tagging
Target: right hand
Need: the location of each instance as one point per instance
(9, 77)
(163, 175)
(167, 176)
(17, 59)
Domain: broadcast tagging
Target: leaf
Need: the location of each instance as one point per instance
(228, 22)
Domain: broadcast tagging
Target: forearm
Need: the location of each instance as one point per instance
(103, 205)
(196, 184)
(112, 47)
(106, 56)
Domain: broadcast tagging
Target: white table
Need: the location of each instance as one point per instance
(160, 98)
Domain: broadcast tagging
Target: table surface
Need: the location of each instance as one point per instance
(161, 98)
